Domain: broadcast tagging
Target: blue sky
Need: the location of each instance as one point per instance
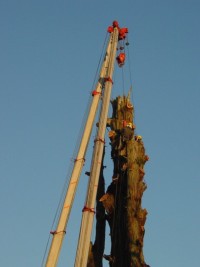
(49, 52)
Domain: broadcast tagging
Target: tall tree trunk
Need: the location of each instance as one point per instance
(123, 198)
(128, 218)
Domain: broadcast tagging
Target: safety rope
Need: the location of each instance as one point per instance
(58, 211)
(120, 203)
(123, 86)
(45, 251)
(100, 60)
(117, 204)
(131, 83)
(130, 70)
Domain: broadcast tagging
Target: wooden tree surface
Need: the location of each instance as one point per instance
(123, 198)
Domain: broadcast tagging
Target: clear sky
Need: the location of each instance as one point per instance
(49, 52)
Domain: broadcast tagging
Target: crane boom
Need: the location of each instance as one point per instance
(58, 235)
(88, 211)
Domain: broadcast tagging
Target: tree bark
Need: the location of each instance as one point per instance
(123, 198)
(128, 218)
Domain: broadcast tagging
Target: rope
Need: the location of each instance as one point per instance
(123, 87)
(100, 60)
(115, 216)
(45, 252)
(130, 72)
(58, 211)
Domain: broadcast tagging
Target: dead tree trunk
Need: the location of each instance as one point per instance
(123, 198)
